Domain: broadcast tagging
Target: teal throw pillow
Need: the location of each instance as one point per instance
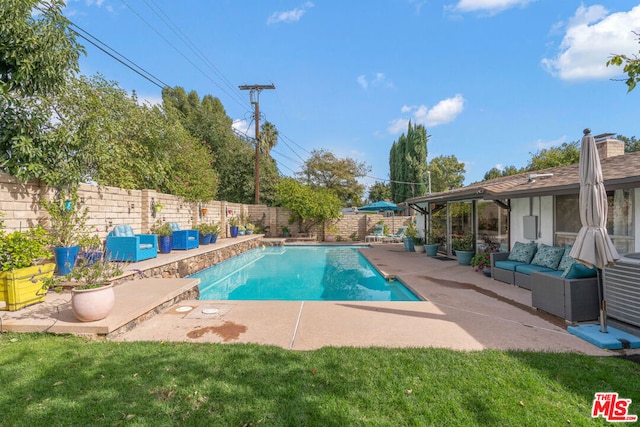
(567, 260)
(548, 256)
(579, 271)
(522, 252)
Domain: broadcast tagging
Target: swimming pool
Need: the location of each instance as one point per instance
(299, 273)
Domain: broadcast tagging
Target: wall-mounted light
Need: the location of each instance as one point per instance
(153, 207)
(107, 225)
(131, 207)
(82, 200)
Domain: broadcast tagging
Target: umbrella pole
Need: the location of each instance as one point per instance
(603, 303)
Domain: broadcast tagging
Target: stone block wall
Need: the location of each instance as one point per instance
(110, 206)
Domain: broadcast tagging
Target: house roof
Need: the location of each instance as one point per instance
(619, 172)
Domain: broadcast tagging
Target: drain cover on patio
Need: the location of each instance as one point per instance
(443, 258)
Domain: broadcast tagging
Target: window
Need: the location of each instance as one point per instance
(619, 219)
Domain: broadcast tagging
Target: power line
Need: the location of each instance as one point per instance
(129, 63)
(181, 54)
(185, 39)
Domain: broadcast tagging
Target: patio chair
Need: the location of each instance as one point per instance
(395, 238)
(377, 235)
(124, 245)
(184, 239)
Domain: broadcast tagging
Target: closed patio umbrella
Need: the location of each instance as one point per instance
(593, 246)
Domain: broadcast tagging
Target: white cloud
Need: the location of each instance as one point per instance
(289, 16)
(443, 112)
(377, 80)
(591, 37)
(491, 6)
(244, 127)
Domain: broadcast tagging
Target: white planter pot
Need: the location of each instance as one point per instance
(89, 305)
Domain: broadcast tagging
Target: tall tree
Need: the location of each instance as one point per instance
(268, 137)
(408, 164)
(309, 205)
(379, 191)
(447, 173)
(207, 120)
(340, 175)
(37, 54)
(497, 173)
(630, 144)
(566, 154)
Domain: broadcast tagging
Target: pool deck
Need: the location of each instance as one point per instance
(463, 310)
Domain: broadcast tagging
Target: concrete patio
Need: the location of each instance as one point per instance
(462, 310)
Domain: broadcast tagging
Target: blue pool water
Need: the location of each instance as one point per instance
(297, 273)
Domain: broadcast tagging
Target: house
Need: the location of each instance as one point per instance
(539, 206)
(542, 206)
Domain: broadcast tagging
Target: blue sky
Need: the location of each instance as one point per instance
(492, 80)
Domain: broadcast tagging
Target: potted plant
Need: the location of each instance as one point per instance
(204, 233)
(249, 228)
(67, 225)
(214, 229)
(432, 243)
(409, 234)
(464, 246)
(285, 232)
(418, 243)
(91, 247)
(233, 226)
(241, 230)
(92, 295)
(165, 238)
(482, 262)
(23, 266)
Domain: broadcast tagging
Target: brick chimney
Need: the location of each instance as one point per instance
(608, 146)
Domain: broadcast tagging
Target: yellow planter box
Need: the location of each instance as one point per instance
(23, 287)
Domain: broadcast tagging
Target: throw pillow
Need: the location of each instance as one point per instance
(567, 260)
(548, 256)
(522, 252)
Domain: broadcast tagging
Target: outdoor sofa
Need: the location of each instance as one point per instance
(559, 284)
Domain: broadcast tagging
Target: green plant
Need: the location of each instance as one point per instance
(411, 231)
(67, 220)
(164, 230)
(434, 237)
(250, 226)
(214, 229)
(233, 221)
(418, 241)
(285, 230)
(90, 243)
(205, 228)
(481, 261)
(332, 229)
(386, 227)
(466, 242)
(88, 274)
(22, 249)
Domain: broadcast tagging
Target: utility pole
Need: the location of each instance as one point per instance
(254, 96)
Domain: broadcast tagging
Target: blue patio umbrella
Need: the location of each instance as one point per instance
(382, 206)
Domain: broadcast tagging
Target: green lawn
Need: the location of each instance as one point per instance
(50, 380)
